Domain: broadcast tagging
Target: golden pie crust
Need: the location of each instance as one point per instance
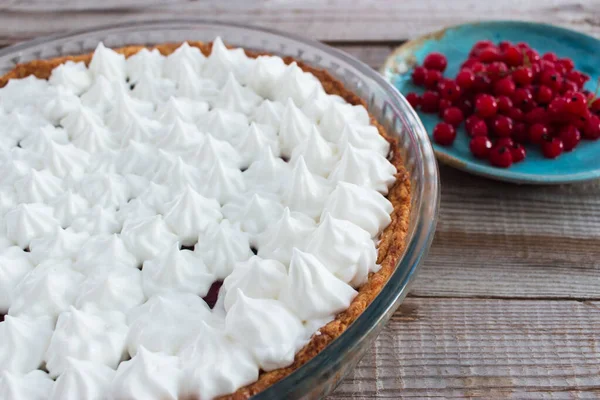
(393, 237)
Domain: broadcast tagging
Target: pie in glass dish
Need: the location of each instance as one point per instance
(185, 221)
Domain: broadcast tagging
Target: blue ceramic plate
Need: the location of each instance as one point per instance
(455, 43)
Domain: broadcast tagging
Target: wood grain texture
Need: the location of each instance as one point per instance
(489, 349)
(373, 20)
(507, 304)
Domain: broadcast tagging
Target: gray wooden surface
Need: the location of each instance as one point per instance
(507, 305)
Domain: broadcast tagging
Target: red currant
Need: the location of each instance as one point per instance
(453, 116)
(504, 141)
(569, 86)
(501, 157)
(513, 56)
(567, 64)
(414, 100)
(577, 104)
(537, 114)
(449, 90)
(551, 147)
(595, 107)
(557, 109)
(592, 128)
(479, 129)
(502, 126)
(579, 78)
(552, 79)
(465, 79)
(550, 57)
(486, 106)
(497, 70)
(515, 114)
(570, 137)
(480, 146)
(418, 76)
(430, 101)
(519, 133)
(537, 132)
(436, 61)
(504, 87)
(489, 55)
(444, 134)
(466, 105)
(518, 152)
(522, 99)
(432, 79)
(522, 76)
(504, 104)
(482, 84)
(544, 95)
(443, 105)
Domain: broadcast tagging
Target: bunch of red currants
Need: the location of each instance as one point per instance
(508, 96)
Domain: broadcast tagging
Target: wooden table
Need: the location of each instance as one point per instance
(507, 305)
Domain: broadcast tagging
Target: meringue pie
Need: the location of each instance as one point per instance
(185, 221)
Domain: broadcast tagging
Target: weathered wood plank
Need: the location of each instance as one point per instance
(469, 348)
(502, 240)
(331, 20)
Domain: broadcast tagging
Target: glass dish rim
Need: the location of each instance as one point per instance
(418, 240)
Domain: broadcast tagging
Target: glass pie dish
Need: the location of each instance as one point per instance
(321, 374)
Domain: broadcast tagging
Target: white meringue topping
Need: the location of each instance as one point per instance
(176, 270)
(109, 63)
(221, 246)
(271, 332)
(257, 278)
(323, 295)
(365, 168)
(147, 376)
(364, 137)
(29, 221)
(318, 154)
(111, 288)
(34, 385)
(344, 249)
(73, 76)
(268, 173)
(235, 97)
(37, 187)
(338, 115)
(253, 215)
(307, 192)
(296, 85)
(291, 231)
(264, 75)
(214, 364)
(165, 322)
(97, 221)
(100, 96)
(48, 290)
(294, 129)
(375, 209)
(184, 55)
(82, 379)
(98, 337)
(144, 62)
(14, 265)
(269, 113)
(189, 214)
(180, 108)
(255, 140)
(147, 238)
(104, 250)
(60, 244)
(24, 343)
(222, 61)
